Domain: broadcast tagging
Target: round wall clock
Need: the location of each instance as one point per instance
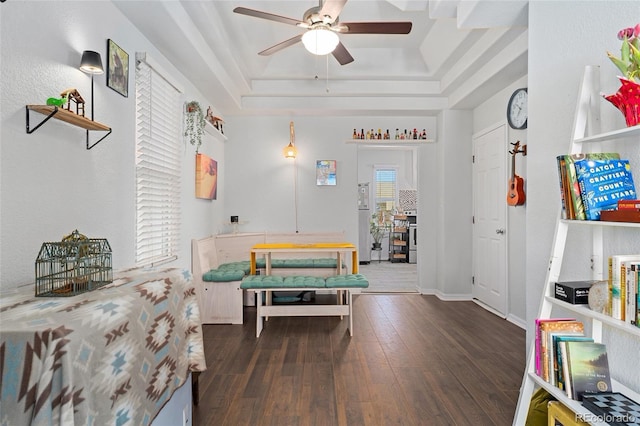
(517, 112)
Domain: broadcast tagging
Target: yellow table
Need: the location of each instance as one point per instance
(339, 248)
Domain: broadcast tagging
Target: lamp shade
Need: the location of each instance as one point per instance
(91, 62)
(320, 41)
(290, 151)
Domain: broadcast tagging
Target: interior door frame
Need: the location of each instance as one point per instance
(504, 160)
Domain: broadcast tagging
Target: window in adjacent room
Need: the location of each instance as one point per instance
(386, 194)
(158, 164)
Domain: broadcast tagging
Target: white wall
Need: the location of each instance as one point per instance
(50, 183)
(563, 38)
(454, 232)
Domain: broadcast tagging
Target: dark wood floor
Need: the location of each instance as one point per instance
(413, 360)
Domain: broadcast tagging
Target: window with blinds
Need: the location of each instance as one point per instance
(386, 194)
(158, 167)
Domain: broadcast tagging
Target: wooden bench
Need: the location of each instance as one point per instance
(344, 285)
(220, 296)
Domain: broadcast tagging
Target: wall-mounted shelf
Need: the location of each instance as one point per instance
(72, 118)
(217, 134)
(387, 143)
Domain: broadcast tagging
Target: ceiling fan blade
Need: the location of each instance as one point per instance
(332, 8)
(278, 47)
(342, 55)
(377, 27)
(265, 15)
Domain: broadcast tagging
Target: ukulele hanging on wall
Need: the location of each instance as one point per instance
(515, 195)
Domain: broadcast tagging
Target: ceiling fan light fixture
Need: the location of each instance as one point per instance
(320, 40)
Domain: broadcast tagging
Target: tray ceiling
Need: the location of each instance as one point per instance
(458, 54)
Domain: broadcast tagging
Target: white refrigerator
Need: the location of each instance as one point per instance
(364, 244)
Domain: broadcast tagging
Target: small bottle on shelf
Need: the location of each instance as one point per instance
(361, 133)
(355, 134)
(397, 133)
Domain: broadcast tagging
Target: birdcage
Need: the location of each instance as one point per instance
(73, 266)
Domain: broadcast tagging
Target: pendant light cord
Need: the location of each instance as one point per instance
(295, 191)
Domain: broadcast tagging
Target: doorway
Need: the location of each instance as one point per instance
(383, 268)
(489, 218)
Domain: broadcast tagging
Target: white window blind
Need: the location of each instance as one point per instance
(158, 141)
(386, 189)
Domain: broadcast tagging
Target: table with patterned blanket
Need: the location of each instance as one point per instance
(112, 356)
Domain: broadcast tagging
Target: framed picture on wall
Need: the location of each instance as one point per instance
(117, 68)
(206, 177)
(326, 172)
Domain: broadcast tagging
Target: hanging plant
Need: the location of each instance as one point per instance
(194, 124)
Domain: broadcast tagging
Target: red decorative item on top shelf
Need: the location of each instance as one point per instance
(627, 100)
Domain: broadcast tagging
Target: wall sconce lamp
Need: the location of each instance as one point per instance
(91, 63)
(290, 150)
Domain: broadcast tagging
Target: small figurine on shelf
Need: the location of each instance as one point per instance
(214, 120)
(423, 135)
(355, 134)
(415, 134)
(74, 95)
(397, 134)
(57, 101)
(386, 135)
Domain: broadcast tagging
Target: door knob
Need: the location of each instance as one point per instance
(500, 231)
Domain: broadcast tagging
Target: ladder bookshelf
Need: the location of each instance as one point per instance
(586, 120)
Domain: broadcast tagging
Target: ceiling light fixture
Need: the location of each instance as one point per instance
(290, 150)
(320, 40)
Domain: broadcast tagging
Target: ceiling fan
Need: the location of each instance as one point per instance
(322, 25)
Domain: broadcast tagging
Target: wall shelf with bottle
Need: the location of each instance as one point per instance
(389, 142)
(52, 111)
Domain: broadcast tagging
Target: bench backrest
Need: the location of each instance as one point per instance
(235, 248)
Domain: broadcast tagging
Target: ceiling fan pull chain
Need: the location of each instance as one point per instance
(327, 58)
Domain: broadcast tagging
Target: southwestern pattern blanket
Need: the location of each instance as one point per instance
(113, 356)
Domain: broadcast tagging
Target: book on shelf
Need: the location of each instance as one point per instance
(569, 186)
(538, 343)
(629, 204)
(552, 339)
(632, 274)
(602, 183)
(558, 327)
(618, 285)
(586, 368)
(558, 341)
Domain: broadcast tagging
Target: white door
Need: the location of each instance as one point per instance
(489, 230)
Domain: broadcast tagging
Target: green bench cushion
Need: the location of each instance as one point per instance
(261, 281)
(345, 281)
(278, 282)
(223, 275)
(304, 263)
(303, 282)
(243, 265)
